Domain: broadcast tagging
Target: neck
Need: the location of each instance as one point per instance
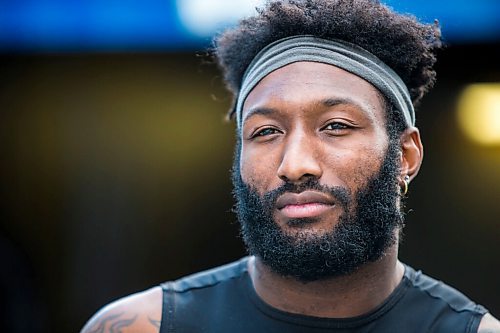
(339, 297)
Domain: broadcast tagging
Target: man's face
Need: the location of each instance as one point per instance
(316, 178)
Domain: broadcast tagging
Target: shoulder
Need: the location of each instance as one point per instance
(440, 292)
(209, 278)
(489, 324)
(444, 306)
(140, 312)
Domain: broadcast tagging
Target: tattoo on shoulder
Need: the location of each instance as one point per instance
(155, 323)
(113, 322)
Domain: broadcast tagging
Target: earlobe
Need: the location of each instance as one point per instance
(412, 153)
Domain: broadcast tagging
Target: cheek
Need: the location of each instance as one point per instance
(258, 170)
(353, 167)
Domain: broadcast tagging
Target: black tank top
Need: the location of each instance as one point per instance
(224, 300)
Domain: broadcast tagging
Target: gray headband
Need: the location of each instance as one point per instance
(347, 56)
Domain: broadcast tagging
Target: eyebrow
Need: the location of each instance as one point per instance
(328, 102)
(331, 102)
(263, 111)
(339, 101)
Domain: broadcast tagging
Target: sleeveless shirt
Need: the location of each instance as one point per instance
(223, 300)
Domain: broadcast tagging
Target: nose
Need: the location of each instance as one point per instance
(299, 160)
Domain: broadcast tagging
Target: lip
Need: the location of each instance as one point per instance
(304, 204)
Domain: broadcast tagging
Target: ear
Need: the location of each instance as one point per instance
(412, 152)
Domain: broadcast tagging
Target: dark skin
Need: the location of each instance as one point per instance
(305, 120)
(139, 312)
(316, 120)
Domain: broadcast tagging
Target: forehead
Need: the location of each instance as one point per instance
(301, 83)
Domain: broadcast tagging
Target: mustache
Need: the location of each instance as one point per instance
(341, 195)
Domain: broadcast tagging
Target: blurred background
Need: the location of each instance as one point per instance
(115, 154)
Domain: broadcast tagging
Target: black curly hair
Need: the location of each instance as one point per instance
(400, 41)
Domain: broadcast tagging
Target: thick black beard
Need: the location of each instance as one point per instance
(363, 233)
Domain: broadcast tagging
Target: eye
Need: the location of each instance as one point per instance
(336, 127)
(265, 132)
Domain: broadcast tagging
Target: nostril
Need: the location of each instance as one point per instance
(304, 178)
(284, 178)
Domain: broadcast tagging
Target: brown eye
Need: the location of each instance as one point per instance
(336, 126)
(265, 132)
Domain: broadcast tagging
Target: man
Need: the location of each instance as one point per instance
(324, 95)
